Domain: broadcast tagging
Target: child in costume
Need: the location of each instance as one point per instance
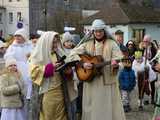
(68, 44)
(144, 75)
(12, 92)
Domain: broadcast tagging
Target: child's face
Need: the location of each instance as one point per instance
(12, 68)
(68, 44)
(119, 38)
(19, 39)
(139, 60)
(34, 41)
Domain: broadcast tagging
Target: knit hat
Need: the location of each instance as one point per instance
(76, 39)
(138, 54)
(10, 61)
(66, 36)
(22, 32)
(98, 24)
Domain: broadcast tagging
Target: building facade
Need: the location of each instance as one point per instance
(15, 15)
(133, 20)
(54, 15)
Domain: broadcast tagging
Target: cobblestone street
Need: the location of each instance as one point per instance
(141, 115)
(135, 114)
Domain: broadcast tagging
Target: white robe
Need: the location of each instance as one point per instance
(136, 66)
(101, 97)
(13, 114)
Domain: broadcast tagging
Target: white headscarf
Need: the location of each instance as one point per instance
(42, 52)
(97, 24)
(23, 33)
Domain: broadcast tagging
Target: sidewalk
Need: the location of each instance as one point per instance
(135, 114)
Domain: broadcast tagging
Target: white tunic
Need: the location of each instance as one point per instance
(13, 114)
(136, 66)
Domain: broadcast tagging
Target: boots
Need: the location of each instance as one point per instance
(127, 108)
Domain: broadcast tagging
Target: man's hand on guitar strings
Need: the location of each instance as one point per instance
(87, 65)
(58, 64)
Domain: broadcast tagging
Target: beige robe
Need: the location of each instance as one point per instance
(101, 97)
(53, 107)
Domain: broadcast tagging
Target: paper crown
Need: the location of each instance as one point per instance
(138, 54)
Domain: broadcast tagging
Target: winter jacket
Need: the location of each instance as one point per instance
(12, 91)
(127, 79)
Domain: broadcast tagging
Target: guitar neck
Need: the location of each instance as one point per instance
(104, 63)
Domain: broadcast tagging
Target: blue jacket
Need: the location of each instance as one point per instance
(127, 79)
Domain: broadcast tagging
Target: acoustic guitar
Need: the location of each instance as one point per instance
(88, 74)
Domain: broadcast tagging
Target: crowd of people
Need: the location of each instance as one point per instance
(40, 80)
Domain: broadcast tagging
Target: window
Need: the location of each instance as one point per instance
(1, 18)
(138, 34)
(66, 2)
(19, 16)
(147, 3)
(10, 17)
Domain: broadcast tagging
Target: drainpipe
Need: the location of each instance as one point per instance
(45, 15)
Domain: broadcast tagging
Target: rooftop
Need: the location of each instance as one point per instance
(125, 14)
